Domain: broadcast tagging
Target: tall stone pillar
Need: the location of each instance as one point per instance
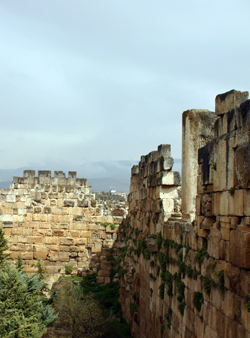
(197, 131)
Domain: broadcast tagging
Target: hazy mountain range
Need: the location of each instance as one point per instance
(101, 175)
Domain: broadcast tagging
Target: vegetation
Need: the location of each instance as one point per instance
(68, 269)
(221, 280)
(134, 295)
(206, 285)
(133, 308)
(24, 300)
(198, 300)
(25, 309)
(107, 296)
(162, 290)
(202, 254)
(248, 306)
(84, 312)
(168, 317)
(232, 191)
(3, 247)
(159, 240)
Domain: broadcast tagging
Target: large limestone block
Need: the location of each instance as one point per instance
(235, 203)
(63, 256)
(27, 255)
(168, 205)
(246, 198)
(40, 252)
(229, 101)
(51, 240)
(17, 231)
(11, 198)
(239, 253)
(214, 242)
(242, 165)
(55, 218)
(171, 178)
(35, 240)
(86, 234)
(66, 241)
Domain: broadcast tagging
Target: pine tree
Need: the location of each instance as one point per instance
(25, 312)
(3, 247)
(24, 306)
(19, 263)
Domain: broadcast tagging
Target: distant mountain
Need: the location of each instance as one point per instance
(5, 185)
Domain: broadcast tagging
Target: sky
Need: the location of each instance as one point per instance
(93, 81)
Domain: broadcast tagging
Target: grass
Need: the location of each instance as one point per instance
(74, 278)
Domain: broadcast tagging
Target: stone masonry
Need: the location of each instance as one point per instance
(188, 275)
(55, 219)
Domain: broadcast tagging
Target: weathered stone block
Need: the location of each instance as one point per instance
(239, 253)
(40, 253)
(35, 240)
(86, 234)
(214, 242)
(69, 203)
(225, 233)
(66, 241)
(171, 178)
(229, 100)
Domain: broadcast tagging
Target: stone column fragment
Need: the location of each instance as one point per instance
(197, 131)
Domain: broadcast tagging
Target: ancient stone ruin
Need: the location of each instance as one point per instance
(55, 219)
(182, 254)
(187, 275)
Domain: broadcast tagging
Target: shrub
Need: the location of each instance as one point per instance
(198, 300)
(146, 254)
(137, 231)
(110, 258)
(201, 254)
(207, 285)
(162, 290)
(142, 245)
(159, 240)
(152, 276)
(151, 292)
(248, 306)
(134, 295)
(132, 308)
(221, 280)
(162, 261)
(68, 269)
(189, 271)
(181, 308)
(232, 191)
(112, 226)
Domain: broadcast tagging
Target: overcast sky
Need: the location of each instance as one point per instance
(85, 81)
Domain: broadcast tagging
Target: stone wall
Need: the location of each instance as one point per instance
(186, 277)
(55, 219)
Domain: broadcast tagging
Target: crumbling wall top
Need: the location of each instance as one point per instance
(229, 100)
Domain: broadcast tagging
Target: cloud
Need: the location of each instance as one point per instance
(89, 81)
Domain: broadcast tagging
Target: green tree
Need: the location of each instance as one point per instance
(3, 247)
(24, 306)
(24, 309)
(19, 263)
